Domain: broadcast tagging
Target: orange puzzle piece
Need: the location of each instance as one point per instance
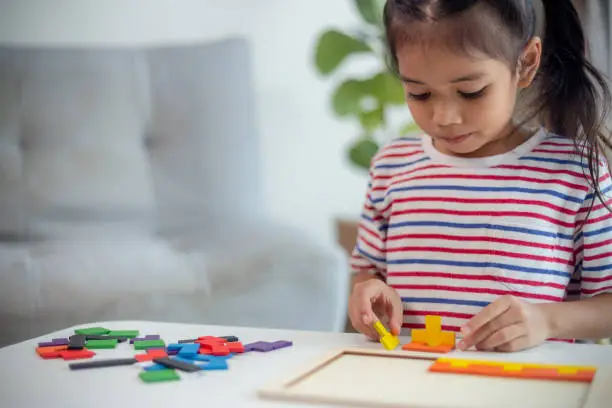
(514, 370)
(432, 338)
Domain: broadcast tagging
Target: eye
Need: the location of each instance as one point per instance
(419, 97)
(473, 95)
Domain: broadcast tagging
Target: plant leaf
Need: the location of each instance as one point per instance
(387, 89)
(334, 47)
(371, 120)
(362, 152)
(348, 96)
(371, 11)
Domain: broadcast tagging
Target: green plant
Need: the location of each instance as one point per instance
(368, 99)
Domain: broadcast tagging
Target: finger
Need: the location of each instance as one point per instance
(518, 344)
(480, 326)
(487, 314)
(502, 337)
(356, 317)
(357, 323)
(507, 319)
(395, 311)
(367, 294)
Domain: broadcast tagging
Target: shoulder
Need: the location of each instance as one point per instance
(577, 156)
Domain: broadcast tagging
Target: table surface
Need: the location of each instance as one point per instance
(26, 380)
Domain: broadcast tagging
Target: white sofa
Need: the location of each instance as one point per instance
(130, 189)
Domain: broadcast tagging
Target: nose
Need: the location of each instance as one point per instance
(446, 114)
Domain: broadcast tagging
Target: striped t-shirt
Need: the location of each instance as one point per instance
(453, 234)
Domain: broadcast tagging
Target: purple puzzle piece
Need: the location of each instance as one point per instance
(149, 337)
(257, 346)
(265, 346)
(54, 343)
(281, 344)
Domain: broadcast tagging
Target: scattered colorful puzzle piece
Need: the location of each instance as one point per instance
(204, 353)
(92, 331)
(432, 338)
(124, 333)
(148, 337)
(514, 370)
(102, 344)
(55, 342)
(159, 376)
(147, 344)
(76, 354)
(265, 346)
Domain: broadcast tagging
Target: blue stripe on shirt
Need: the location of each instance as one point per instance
(445, 301)
(485, 189)
(480, 226)
(401, 165)
(556, 161)
(516, 268)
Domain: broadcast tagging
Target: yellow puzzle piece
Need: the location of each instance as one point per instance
(432, 338)
(433, 335)
(389, 341)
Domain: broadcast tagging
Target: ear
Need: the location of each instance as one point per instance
(529, 62)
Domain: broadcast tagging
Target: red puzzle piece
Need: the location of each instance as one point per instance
(51, 352)
(235, 347)
(151, 355)
(77, 354)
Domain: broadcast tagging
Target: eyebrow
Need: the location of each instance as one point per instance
(467, 78)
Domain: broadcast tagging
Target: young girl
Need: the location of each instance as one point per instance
(500, 227)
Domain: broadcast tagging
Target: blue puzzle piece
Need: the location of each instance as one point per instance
(199, 357)
(174, 347)
(217, 364)
(155, 367)
(183, 359)
(189, 350)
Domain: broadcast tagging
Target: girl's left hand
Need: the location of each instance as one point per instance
(506, 325)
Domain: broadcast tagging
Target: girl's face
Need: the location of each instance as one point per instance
(465, 104)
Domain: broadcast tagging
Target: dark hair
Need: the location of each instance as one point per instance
(571, 97)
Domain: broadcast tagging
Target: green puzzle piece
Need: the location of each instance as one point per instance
(92, 331)
(130, 334)
(101, 344)
(159, 376)
(147, 344)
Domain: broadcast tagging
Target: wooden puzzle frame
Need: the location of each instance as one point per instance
(394, 388)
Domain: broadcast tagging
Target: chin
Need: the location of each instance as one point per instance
(464, 150)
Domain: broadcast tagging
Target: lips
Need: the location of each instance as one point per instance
(456, 139)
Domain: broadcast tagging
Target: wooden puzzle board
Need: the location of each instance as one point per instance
(368, 378)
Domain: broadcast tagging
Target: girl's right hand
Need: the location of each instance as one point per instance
(371, 300)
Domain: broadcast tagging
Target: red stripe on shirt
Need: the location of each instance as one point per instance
(453, 315)
(490, 278)
(494, 252)
(478, 239)
(480, 201)
(541, 170)
(407, 172)
(484, 177)
(488, 291)
(487, 214)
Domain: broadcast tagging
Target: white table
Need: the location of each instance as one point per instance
(26, 380)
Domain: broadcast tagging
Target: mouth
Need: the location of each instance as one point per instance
(456, 139)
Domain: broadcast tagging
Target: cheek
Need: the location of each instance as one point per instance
(420, 114)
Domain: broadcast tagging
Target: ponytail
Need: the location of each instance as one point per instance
(574, 98)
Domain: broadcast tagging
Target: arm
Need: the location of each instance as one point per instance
(582, 319)
(369, 257)
(589, 317)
